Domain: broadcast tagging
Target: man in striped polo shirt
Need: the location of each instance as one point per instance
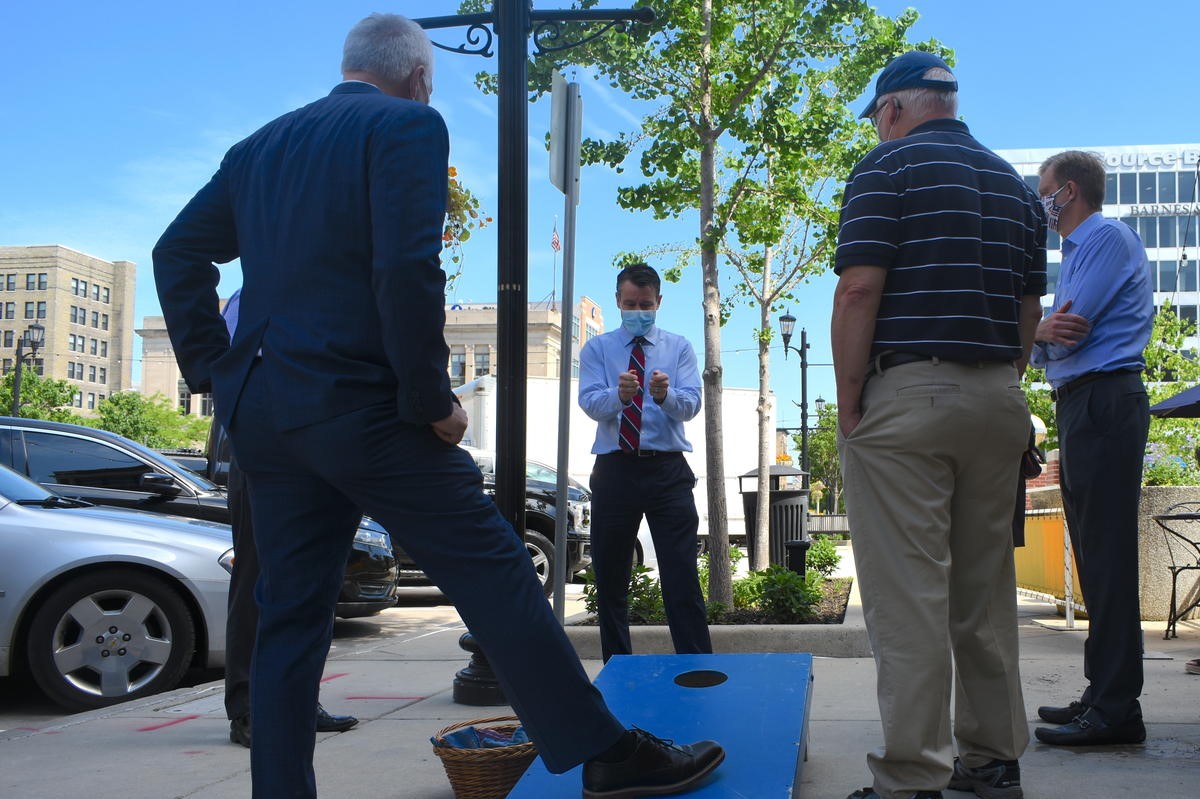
(941, 259)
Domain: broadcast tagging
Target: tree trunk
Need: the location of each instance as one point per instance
(766, 456)
(720, 582)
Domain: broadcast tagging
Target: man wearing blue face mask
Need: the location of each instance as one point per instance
(640, 383)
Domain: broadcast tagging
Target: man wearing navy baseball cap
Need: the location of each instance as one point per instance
(941, 262)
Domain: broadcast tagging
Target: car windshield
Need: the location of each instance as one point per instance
(15, 488)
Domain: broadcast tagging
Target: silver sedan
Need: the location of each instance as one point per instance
(102, 605)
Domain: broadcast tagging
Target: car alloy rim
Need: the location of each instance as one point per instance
(541, 563)
(112, 643)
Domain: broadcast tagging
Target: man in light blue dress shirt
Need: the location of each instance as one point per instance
(642, 472)
(1091, 348)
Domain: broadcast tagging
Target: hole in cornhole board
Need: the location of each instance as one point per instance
(700, 678)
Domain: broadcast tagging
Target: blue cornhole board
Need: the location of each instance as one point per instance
(759, 714)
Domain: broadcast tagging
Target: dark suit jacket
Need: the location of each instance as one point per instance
(336, 211)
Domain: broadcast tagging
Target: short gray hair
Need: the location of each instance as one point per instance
(923, 101)
(389, 47)
(1086, 169)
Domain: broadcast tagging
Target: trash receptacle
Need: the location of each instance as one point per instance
(787, 510)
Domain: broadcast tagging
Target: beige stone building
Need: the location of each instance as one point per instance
(470, 333)
(86, 306)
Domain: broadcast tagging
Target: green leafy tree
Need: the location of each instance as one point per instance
(41, 397)
(823, 461)
(151, 421)
(726, 80)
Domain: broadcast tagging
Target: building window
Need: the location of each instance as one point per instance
(91, 400)
(1148, 230)
(1110, 188)
(8, 338)
(458, 368)
(483, 361)
(1167, 275)
(77, 316)
(43, 280)
(103, 375)
(185, 398)
(41, 310)
(1187, 279)
(95, 318)
(1147, 187)
(8, 365)
(70, 370)
(96, 292)
(1166, 187)
(91, 374)
(1166, 231)
(104, 321)
(30, 281)
(100, 397)
(29, 310)
(206, 405)
(83, 289)
(39, 366)
(103, 349)
(74, 285)
(1127, 187)
(12, 282)
(105, 296)
(10, 310)
(77, 400)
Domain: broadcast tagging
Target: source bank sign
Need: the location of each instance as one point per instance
(1138, 158)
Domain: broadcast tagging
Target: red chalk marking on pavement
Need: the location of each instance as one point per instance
(171, 723)
(335, 676)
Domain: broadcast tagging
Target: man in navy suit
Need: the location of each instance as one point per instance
(335, 393)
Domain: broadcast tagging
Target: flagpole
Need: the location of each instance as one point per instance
(554, 263)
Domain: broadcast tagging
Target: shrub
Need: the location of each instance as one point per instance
(788, 596)
(645, 596)
(823, 557)
(745, 590)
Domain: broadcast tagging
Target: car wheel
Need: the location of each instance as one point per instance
(541, 552)
(110, 636)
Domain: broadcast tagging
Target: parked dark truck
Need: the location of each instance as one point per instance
(541, 507)
(106, 469)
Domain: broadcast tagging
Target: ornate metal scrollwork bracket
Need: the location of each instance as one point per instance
(547, 35)
(478, 35)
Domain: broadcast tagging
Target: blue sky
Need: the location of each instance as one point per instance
(115, 113)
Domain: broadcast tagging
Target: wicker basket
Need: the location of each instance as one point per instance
(485, 773)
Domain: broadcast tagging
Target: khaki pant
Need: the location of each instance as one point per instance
(930, 480)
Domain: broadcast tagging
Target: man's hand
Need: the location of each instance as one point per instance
(1063, 328)
(659, 383)
(627, 386)
(848, 419)
(453, 427)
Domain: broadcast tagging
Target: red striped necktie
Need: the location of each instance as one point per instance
(630, 437)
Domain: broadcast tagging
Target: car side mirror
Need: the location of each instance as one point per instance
(159, 483)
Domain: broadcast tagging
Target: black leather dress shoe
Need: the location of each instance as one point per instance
(654, 767)
(239, 731)
(327, 722)
(1089, 729)
(1061, 715)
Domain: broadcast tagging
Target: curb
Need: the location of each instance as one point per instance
(845, 640)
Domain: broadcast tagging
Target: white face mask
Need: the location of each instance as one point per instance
(1053, 209)
(638, 323)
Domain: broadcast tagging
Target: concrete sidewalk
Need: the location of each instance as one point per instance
(176, 745)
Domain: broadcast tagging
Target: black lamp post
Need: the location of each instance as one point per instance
(787, 323)
(33, 338)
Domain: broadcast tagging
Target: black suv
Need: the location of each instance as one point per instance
(107, 469)
(540, 511)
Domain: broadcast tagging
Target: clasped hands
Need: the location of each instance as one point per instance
(627, 386)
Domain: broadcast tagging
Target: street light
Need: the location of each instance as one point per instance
(787, 323)
(33, 338)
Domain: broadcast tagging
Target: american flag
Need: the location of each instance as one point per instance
(555, 242)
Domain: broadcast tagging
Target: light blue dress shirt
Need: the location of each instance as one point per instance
(1106, 274)
(605, 357)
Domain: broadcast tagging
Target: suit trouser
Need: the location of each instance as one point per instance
(929, 495)
(310, 486)
(624, 488)
(1102, 429)
(242, 613)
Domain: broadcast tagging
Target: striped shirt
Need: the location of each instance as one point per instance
(963, 239)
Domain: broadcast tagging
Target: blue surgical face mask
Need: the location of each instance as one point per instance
(638, 323)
